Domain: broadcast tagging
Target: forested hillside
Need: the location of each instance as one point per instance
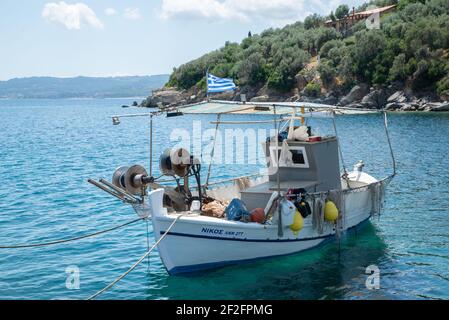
(410, 48)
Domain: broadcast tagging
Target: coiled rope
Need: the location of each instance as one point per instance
(137, 262)
(70, 239)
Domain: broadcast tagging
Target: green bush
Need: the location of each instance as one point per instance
(327, 72)
(443, 86)
(312, 89)
(313, 21)
(341, 11)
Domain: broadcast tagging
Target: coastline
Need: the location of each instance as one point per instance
(362, 97)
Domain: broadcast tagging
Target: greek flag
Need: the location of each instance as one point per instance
(216, 84)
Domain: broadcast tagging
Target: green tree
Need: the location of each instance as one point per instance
(443, 87)
(327, 72)
(398, 70)
(252, 70)
(367, 52)
(341, 11)
(313, 21)
(312, 89)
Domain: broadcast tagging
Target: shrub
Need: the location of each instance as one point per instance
(443, 87)
(341, 11)
(313, 21)
(327, 72)
(312, 89)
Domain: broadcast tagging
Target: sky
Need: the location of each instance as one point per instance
(137, 37)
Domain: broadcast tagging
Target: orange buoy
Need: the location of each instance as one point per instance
(257, 215)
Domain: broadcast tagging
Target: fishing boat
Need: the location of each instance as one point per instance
(306, 197)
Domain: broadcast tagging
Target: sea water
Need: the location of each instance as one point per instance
(49, 148)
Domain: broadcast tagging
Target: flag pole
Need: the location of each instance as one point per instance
(207, 84)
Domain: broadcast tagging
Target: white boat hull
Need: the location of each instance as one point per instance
(198, 242)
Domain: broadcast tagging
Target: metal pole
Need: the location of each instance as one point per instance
(345, 172)
(207, 84)
(389, 142)
(212, 151)
(151, 144)
(278, 178)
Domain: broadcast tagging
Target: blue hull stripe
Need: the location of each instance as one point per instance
(212, 265)
(241, 239)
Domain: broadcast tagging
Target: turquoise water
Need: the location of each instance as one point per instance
(48, 148)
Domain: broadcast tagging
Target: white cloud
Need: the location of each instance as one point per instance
(110, 12)
(275, 12)
(72, 16)
(243, 10)
(132, 13)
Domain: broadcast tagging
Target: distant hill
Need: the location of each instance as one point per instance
(81, 87)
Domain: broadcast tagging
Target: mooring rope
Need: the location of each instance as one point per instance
(70, 239)
(138, 261)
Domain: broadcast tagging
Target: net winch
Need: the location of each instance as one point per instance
(129, 183)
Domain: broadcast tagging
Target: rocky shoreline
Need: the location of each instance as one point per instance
(392, 98)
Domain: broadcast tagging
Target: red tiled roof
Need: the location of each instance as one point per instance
(364, 13)
(376, 10)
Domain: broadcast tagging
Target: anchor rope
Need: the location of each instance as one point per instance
(70, 239)
(137, 262)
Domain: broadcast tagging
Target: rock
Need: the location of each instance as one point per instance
(409, 94)
(301, 81)
(135, 104)
(398, 96)
(437, 106)
(263, 98)
(167, 96)
(376, 99)
(227, 95)
(331, 100)
(394, 87)
(392, 106)
(356, 94)
(163, 97)
(355, 105)
(293, 98)
(407, 107)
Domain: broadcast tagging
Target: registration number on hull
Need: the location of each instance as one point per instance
(222, 232)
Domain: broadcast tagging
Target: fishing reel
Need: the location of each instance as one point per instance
(179, 164)
(176, 162)
(133, 179)
(127, 183)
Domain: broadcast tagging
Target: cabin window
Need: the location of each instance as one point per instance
(299, 157)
